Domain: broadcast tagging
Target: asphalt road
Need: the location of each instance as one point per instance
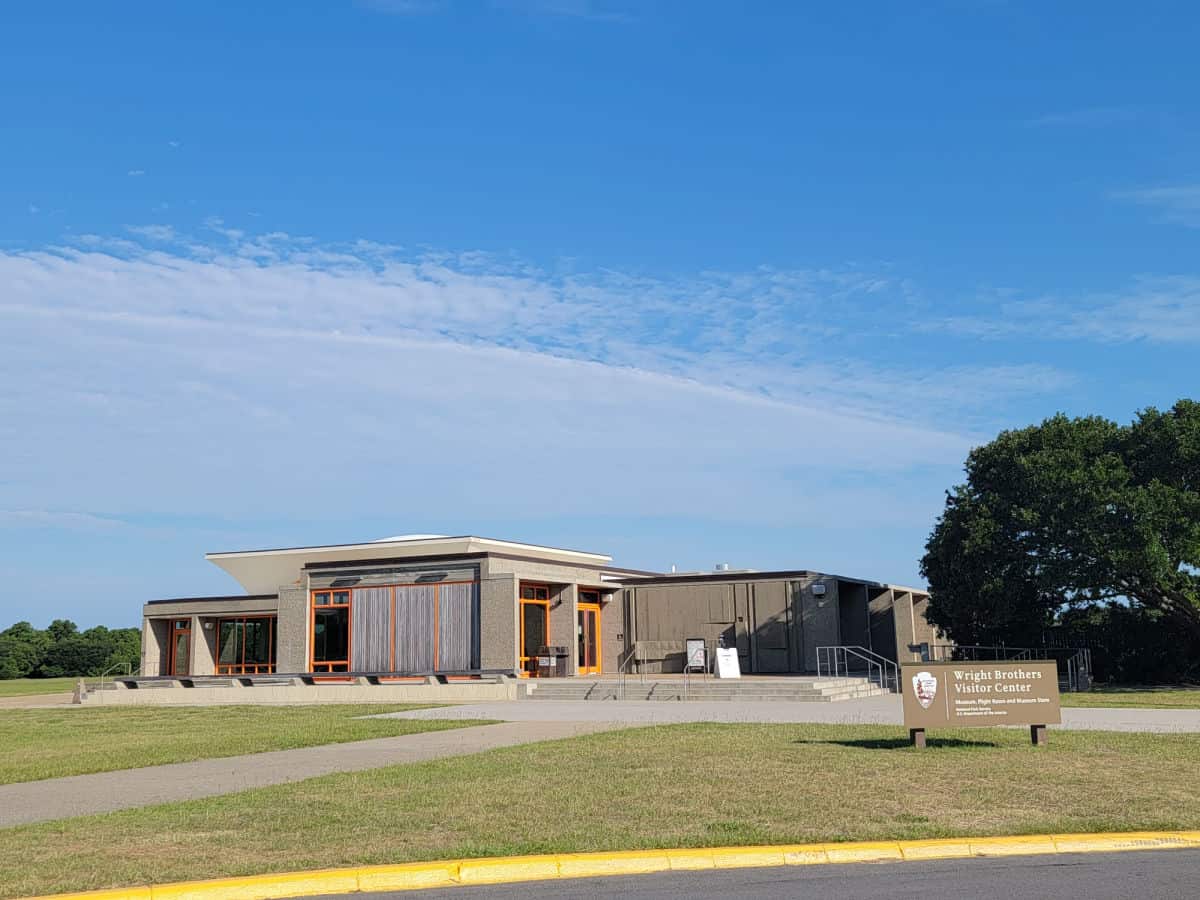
(1162, 875)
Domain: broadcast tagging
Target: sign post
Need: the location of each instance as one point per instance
(978, 695)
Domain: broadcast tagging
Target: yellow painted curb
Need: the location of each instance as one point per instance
(408, 876)
(496, 870)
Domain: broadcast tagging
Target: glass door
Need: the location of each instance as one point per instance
(535, 625)
(181, 643)
(588, 635)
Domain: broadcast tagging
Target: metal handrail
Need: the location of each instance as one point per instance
(837, 658)
(623, 670)
(127, 666)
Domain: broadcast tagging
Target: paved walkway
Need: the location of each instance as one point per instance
(885, 710)
(35, 701)
(80, 795)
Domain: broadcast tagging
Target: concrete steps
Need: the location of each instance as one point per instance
(822, 690)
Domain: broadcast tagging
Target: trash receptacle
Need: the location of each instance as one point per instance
(552, 662)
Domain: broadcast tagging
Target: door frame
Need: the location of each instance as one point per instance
(593, 608)
(522, 602)
(172, 633)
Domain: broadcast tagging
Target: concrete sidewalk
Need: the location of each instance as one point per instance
(81, 795)
(885, 710)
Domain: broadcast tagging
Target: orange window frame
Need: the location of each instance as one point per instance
(328, 665)
(172, 631)
(595, 667)
(534, 600)
(241, 668)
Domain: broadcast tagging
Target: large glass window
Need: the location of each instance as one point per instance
(246, 646)
(331, 631)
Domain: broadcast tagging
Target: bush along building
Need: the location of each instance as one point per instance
(461, 607)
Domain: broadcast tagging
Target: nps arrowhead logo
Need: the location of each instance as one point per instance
(925, 686)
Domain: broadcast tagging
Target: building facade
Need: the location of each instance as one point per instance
(431, 605)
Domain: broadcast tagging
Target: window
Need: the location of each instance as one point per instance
(246, 645)
(331, 631)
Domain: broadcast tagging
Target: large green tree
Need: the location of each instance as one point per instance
(1067, 514)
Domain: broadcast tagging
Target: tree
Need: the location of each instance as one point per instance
(18, 658)
(1071, 513)
(61, 628)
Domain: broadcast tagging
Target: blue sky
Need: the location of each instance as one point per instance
(686, 283)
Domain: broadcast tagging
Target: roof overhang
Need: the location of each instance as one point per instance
(265, 571)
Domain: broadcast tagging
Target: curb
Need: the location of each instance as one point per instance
(501, 869)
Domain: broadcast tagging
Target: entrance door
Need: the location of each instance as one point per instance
(535, 625)
(771, 628)
(588, 638)
(180, 648)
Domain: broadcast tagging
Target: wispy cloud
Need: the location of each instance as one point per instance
(159, 233)
(1175, 204)
(274, 372)
(56, 519)
(1160, 309)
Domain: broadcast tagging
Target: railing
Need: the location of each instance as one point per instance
(835, 662)
(1078, 674)
(114, 669)
(623, 671)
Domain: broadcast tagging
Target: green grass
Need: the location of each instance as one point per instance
(668, 786)
(48, 743)
(23, 687)
(1150, 697)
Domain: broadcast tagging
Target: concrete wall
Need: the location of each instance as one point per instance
(911, 627)
(564, 618)
(612, 633)
(286, 694)
(498, 621)
(819, 618)
(291, 630)
(155, 634)
(204, 646)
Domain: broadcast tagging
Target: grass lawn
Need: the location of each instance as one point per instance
(22, 687)
(48, 743)
(1154, 697)
(666, 786)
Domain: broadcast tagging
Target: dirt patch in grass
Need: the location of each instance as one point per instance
(50, 743)
(668, 786)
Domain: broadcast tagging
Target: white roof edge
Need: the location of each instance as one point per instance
(466, 540)
(906, 589)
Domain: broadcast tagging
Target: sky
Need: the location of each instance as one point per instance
(686, 283)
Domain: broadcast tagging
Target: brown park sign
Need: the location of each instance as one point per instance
(978, 694)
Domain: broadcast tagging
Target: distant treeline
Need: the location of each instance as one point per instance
(63, 650)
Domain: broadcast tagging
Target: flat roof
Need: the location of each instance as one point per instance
(210, 599)
(421, 540)
(752, 575)
(263, 571)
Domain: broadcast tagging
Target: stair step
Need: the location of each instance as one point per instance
(829, 690)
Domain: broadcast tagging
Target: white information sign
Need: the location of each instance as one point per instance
(696, 655)
(727, 663)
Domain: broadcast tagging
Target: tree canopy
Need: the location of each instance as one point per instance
(1071, 514)
(63, 650)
